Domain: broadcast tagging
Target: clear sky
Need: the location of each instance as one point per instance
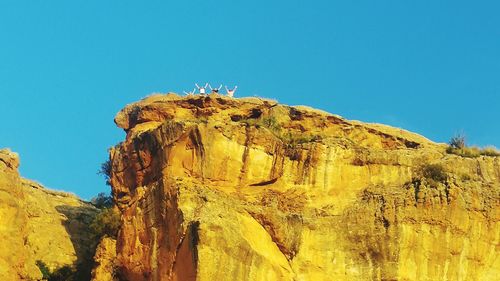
(67, 67)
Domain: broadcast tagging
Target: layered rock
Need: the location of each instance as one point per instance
(38, 225)
(215, 188)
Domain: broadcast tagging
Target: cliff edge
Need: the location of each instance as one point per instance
(216, 188)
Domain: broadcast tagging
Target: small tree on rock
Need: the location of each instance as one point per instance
(458, 141)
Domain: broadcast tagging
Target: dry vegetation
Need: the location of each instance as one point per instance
(458, 146)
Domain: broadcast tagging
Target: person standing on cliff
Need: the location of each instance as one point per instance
(215, 90)
(202, 90)
(230, 92)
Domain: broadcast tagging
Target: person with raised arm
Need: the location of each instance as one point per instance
(190, 93)
(230, 92)
(215, 90)
(202, 90)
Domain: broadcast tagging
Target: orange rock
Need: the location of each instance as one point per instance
(292, 193)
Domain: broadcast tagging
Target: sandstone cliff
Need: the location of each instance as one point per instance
(40, 225)
(215, 188)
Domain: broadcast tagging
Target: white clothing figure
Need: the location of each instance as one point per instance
(230, 92)
(190, 93)
(202, 90)
(215, 90)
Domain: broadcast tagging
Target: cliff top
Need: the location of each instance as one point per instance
(9, 159)
(152, 111)
(265, 187)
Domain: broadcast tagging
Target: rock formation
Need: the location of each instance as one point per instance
(105, 259)
(215, 188)
(39, 225)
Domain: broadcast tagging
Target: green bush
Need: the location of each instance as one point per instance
(269, 122)
(43, 269)
(105, 171)
(293, 140)
(106, 223)
(288, 138)
(458, 141)
(102, 201)
(272, 124)
(64, 273)
(458, 146)
(433, 172)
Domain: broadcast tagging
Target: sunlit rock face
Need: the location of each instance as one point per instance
(215, 188)
(14, 257)
(38, 225)
(105, 261)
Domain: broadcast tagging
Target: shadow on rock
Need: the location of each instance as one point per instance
(77, 224)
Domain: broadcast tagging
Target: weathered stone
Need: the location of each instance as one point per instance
(215, 188)
(39, 225)
(105, 259)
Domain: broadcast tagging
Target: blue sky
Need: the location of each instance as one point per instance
(67, 67)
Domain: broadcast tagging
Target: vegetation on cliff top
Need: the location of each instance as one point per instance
(458, 146)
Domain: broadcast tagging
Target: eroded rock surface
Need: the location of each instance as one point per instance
(39, 225)
(105, 261)
(215, 188)
(15, 262)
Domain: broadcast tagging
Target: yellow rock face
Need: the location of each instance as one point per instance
(215, 188)
(104, 258)
(37, 224)
(14, 256)
(58, 227)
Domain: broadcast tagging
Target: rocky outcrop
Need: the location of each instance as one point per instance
(15, 262)
(38, 225)
(58, 232)
(105, 261)
(215, 188)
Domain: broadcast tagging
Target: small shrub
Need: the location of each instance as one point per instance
(102, 201)
(465, 177)
(43, 269)
(105, 171)
(490, 151)
(64, 273)
(469, 152)
(271, 123)
(293, 140)
(458, 146)
(106, 223)
(458, 141)
(473, 151)
(434, 172)
(134, 113)
(251, 122)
